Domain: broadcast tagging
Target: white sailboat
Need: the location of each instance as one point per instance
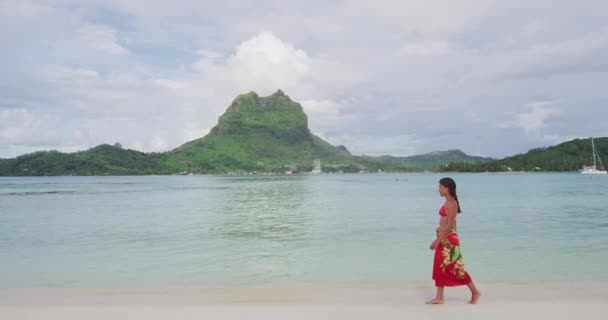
(593, 169)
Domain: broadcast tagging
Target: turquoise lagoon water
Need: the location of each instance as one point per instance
(157, 231)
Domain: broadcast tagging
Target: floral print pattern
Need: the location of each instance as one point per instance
(452, 259)
(448, 269)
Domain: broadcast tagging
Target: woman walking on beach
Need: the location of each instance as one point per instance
(448, 265)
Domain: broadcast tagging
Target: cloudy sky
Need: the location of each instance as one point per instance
(492, 78)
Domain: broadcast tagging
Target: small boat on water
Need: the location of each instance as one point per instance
(593, 169)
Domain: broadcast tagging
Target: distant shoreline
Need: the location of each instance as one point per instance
(298, 174)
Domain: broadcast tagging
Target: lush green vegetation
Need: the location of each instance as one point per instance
(427, 161)
(255, 134)
(567, 156)
(100, 160)
(270, 134)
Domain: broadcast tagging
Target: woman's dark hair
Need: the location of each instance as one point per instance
(451, 185)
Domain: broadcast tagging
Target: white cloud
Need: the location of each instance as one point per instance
(425, 48)
(209, 54)
(23, 9)
(63, 73)
(262, 63)
(390, 77)
(101, 37)
(534, 120)
(265, 63)
(434, 16)
(21, 127)
(321, 107)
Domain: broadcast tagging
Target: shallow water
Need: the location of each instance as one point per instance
(311, 229)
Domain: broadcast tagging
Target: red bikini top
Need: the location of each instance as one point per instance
(443, 212)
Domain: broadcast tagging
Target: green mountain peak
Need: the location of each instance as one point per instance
(257, 134)
(277, 113)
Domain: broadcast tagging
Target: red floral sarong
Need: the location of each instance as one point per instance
(448, 266)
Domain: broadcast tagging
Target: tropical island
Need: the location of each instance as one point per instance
(270, 135)
(566, 156)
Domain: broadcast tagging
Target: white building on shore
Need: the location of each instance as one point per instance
(316, 169)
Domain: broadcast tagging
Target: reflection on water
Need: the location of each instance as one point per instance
(266, 208)
(265, 222)
(203, 230)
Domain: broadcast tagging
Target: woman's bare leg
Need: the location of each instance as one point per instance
(475, 293)
(438, 298)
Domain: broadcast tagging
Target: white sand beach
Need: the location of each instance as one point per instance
(542, 301)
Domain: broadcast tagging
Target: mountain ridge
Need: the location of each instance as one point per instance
(257, 134)
(566, 156)
(254, 134)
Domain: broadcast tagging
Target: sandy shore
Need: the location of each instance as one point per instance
(552, 301)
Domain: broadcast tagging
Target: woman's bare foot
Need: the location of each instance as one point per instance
(435, 301)
(475, 298)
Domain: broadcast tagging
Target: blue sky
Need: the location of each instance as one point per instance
(492, 78)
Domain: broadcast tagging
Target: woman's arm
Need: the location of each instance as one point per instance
(450, 223)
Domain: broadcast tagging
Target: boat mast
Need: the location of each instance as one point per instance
(593, 147)
(598, 158)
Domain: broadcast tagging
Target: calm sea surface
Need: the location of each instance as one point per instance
(290, 230)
